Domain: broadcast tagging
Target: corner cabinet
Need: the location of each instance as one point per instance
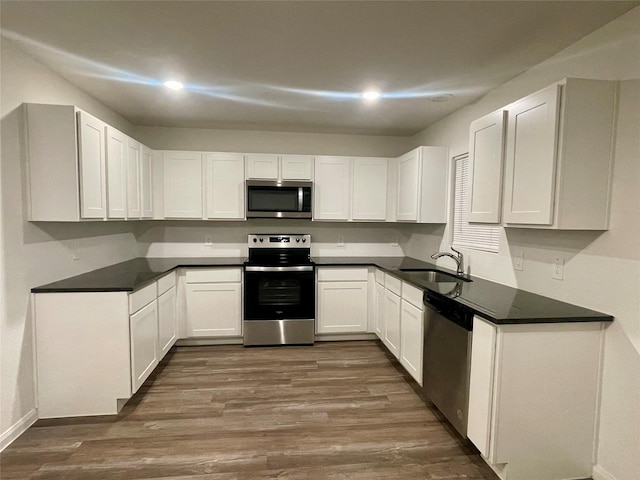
(541, 379)
(422, 186)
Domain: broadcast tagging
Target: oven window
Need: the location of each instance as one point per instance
(279, 292)
(269, 199)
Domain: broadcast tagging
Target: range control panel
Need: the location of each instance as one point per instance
(271, 240)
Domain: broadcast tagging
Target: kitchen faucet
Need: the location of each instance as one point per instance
(459, 258)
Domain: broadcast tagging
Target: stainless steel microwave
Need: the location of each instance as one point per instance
(271, 199)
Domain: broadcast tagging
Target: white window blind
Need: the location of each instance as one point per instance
(470, 235)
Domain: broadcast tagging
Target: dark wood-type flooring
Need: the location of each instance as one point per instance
(337, 410)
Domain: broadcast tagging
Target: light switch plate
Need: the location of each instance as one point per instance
(558, 268)
(518, 260)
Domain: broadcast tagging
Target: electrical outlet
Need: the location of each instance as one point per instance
(394, 243)
(558, 269)
(341, 242)
(518, 260)
(75, 255)
(208, 240)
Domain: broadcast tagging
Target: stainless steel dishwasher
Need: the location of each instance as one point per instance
(447, 357)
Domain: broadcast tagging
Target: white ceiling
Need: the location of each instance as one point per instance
(297, 65)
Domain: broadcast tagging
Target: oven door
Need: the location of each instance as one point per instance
(276, 293)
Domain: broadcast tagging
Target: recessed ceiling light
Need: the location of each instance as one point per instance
(371, 95)
(443, 97)
(173, 85)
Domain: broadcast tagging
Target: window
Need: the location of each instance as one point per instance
(470, 235)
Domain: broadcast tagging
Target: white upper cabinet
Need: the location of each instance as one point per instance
(486, 155)
(183, 179)
(296, 167)
(116, 173)
(92, 166)
(225, 186)
(262, 166)
(559, 157)
(422, 185)
(369, 194)
(146, 182)
(134, 200)
(332, 188)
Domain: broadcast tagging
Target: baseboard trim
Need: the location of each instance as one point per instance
(600, 473)
(18, 429)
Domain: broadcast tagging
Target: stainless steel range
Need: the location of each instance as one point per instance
(279, 291)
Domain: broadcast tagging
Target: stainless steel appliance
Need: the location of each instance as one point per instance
(279, 199)
(279, 291)
(447, 357)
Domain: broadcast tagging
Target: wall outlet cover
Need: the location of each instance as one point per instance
(558, 268)
(518, 260)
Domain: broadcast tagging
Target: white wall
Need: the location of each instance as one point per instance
(187, 239)
(162, 138)
(602, 269)
(35, 254)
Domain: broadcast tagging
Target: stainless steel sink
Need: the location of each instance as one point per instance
(433, 276)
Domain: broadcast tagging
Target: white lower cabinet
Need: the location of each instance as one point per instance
(392, 322)
(342, 300)
(167, 326)
(533, 396)
(411, 334)
(379, 320)
(214, 302)
(144, 343)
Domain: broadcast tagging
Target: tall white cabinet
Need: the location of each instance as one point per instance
(116, 173)
(92, 161)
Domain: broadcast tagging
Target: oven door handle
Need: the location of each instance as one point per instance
(297, 268)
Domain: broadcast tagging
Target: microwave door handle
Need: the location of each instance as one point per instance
(300, 199)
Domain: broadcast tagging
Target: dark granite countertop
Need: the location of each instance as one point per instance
(496, 302)
(133, 274)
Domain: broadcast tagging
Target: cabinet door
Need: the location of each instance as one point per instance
(530, 165)
(409, 171)
(481, 384)
(144, 343)
(369, 196)
(182, 184)
(91, 156)
(331, 188)
(214, 309)
(134, 207)
(146, 182)
(296, 167)
(262, 167)
(486, 155)
(225, 185)
(411, 330)
(167, 327)
(379, 321)
(342, 307)
(116, 173)
(392, 322)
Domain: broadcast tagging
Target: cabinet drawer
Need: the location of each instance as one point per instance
(393, 284)
(412, 295)
(213, 275)
(342, 274)
(379, 276)
(142, 297)
(165, 283)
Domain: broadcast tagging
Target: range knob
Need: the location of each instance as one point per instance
(255, 240)
(261, 239)
(304, 240)
(298, 240)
